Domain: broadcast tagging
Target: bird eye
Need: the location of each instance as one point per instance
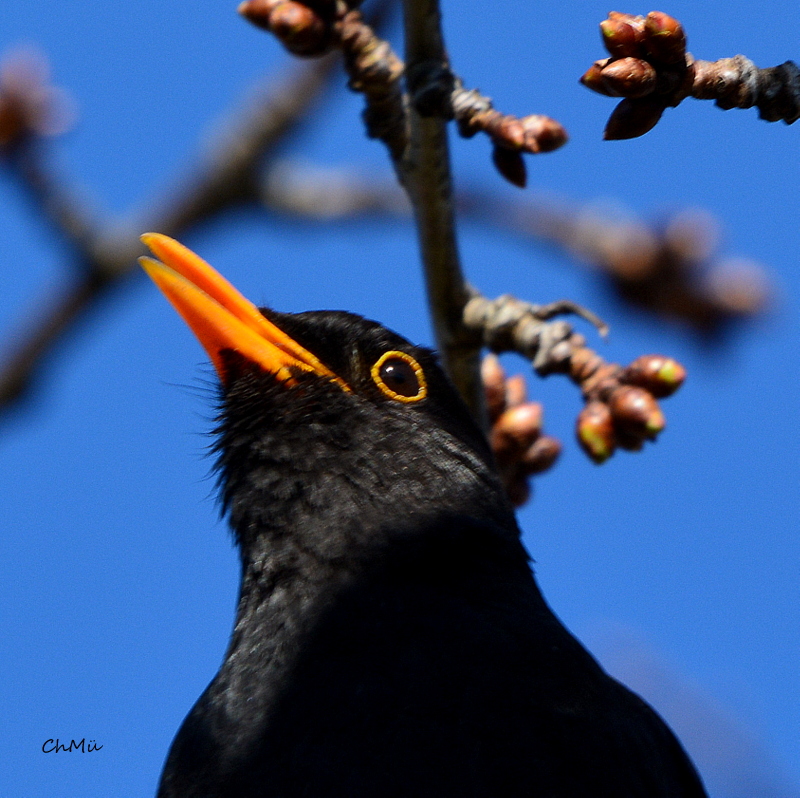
(400, 377)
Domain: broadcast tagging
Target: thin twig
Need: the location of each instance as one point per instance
(59, 318)
(425, 174)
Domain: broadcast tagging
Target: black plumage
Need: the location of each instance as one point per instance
(390, 638)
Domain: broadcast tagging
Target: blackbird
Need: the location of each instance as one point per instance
(390, 638)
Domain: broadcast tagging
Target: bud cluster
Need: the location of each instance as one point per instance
(510, 135)
(621, 407)
(520, 448)
(648, 67)
(513, 136)
(313, 27)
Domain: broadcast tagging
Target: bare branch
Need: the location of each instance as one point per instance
(425, 174)
(413, 127)
(738, 83)
(231, 174)
(107, 253)
(64, 313)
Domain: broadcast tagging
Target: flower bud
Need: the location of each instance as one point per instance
(299, 28)
(628, 441)
(595, 431)
(592, 78)
(494, 385)
(516, 390)
(541, 455)
(542, 134)
(14, 122)
(664, 38)
(516, 430)
(258, 11)
(636, 411)
(659, 375)
(29, 106)
(632, 118)
(629, 77)
(518, 490)
(738, 287)
(511, 165)
(623, 34)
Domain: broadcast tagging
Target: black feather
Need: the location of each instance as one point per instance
(390, 638)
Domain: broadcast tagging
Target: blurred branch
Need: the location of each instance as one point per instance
(231, 174)
(107, 252)
(671, 269)
(650, 68)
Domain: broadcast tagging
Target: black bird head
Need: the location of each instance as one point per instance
(329, 423)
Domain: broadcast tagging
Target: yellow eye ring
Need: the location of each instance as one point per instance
(400, 377)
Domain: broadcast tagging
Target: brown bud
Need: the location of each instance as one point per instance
(258, 11)
(632, 118)
(738, 287)
(542, 134)
(518, 490)
(29, 106)
(636, 411)
(659, 375)
(516, 390)
(494, 385)
(595, 431)
(507, 130)
(511, 165)
(592, 78)
(515, 431)
(629, 77)
(665, 39)
(629, 441)
(623, 34)
(299, 29)
(541, 455)
(14, 122)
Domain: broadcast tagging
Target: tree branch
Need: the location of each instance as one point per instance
(425, 173)
(107, 252)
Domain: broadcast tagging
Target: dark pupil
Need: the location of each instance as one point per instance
(400, 377)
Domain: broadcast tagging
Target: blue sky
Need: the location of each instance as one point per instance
(678, 567)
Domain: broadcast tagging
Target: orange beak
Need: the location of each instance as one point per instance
(221, 318)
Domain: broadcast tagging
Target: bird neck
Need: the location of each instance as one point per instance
(290, 589)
